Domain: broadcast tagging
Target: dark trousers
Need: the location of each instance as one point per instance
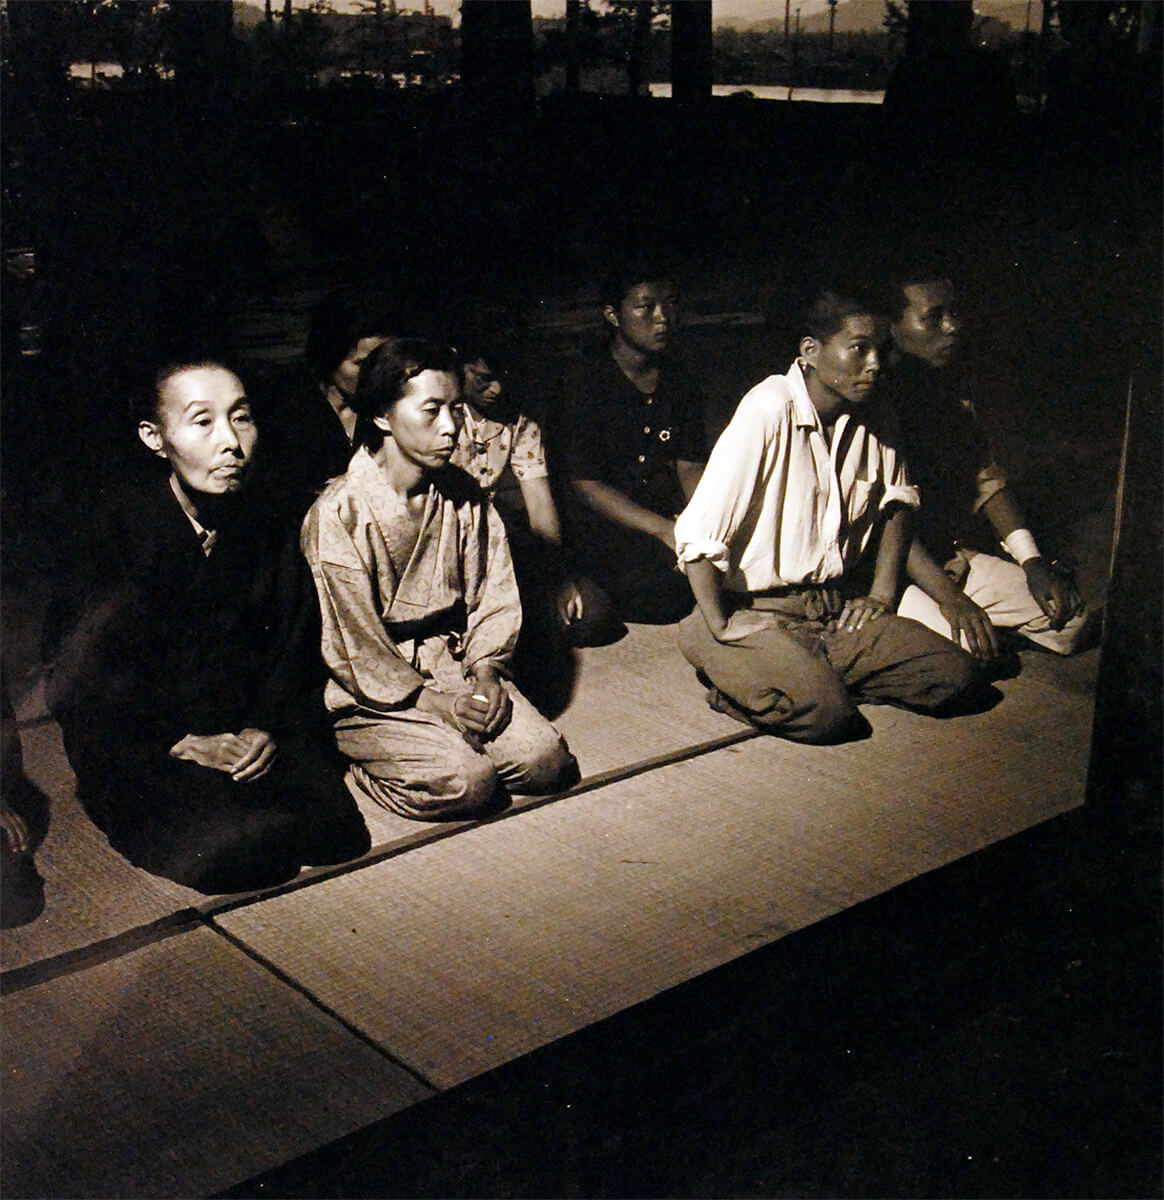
(801, 678)
(639, 575)
(198, 827)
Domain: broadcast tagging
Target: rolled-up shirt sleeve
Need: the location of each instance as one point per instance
(360, 656)
(731, 487)
(989, 481)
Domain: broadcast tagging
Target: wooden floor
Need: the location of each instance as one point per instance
(161, 1043)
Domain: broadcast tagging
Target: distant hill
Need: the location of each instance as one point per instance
(853, 16)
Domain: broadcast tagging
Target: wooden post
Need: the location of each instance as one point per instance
(691, 45)
(573, 34)
(497, 56)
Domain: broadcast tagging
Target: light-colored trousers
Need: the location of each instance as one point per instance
(419, 766)
(999, 587)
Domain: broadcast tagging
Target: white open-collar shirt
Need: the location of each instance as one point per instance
(778, 505)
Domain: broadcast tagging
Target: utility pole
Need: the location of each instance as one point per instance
(832, 23)
(787, 31)
(573, 33)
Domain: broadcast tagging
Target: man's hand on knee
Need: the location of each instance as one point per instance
(1053, 592)
(968, 621)
(859, 611)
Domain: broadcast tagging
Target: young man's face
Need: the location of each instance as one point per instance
(204, 429)
(482, 385)
(930, 327)
(423, 424)
(344, 377)
(848, 363)
(647, 316)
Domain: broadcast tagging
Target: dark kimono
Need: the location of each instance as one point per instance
(157, 640)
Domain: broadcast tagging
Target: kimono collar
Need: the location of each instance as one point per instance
(417, 583)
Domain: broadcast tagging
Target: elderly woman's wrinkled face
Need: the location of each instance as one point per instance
(204, 429)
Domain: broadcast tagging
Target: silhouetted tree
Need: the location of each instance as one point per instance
(639, 15)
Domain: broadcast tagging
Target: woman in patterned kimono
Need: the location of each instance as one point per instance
(420, 608)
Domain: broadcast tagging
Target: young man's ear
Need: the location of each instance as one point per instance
(151, 434)
(384, 424)
(809, 349)
(610, 315)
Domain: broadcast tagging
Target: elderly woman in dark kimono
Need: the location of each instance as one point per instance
(420, 608)
(185, 670)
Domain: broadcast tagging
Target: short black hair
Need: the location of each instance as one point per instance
(903, 275)
(615, 285)
(833, 305)
(384, 375)
(340, 321)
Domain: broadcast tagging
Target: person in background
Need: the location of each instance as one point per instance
(184, 664)
(630, 434)
(308, 422)
(420, 607)
(23, 825)
(501, 447)
(960, 590)
(805, 487)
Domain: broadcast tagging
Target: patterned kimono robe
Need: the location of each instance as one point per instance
(390, 628)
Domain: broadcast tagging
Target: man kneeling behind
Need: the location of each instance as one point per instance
(187, 682)
(803, 484)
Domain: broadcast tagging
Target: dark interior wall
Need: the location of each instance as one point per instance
(152, 212)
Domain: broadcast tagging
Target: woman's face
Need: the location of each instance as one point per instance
(482, 385)
(422, 426)
(204, 428)
(345, 375)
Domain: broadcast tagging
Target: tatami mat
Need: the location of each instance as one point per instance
(468, 952)
(176, 1071)
(91, 892)
(634, 700)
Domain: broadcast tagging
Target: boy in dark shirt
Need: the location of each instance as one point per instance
(188, 683)
(631, 438)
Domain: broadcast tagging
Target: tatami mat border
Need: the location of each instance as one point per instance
(17, 979)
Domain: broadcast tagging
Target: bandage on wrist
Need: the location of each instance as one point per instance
(1020, 545)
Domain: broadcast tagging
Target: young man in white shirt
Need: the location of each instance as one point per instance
(803, 488)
